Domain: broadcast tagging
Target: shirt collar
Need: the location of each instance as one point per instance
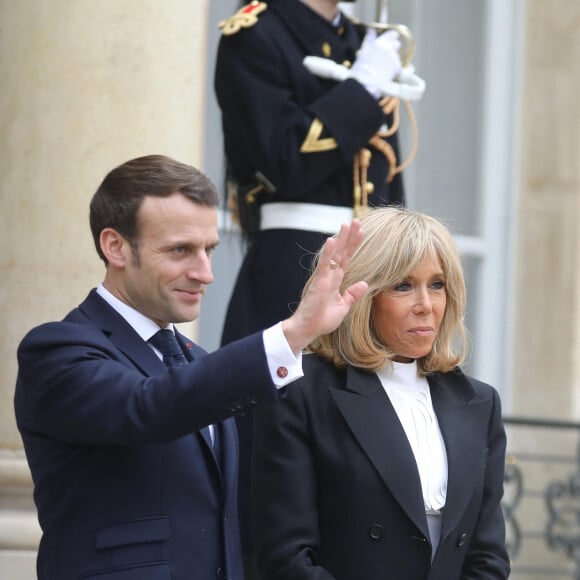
(143, 326)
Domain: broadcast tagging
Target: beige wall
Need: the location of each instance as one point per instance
(547, 296)
(86, 84)
(546, 349)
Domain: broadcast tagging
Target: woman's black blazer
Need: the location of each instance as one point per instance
(336, 490)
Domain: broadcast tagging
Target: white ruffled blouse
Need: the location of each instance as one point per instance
(410, 396)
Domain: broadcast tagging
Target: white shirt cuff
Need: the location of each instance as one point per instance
(283, 365)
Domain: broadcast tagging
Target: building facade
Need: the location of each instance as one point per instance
(87, 85)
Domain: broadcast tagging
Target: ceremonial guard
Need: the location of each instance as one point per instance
(305, 152)
(297, 147)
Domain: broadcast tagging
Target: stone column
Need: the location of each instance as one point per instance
(547, 300)
(86, 85)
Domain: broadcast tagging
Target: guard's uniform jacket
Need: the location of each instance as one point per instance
(294, 136)
(290, 137)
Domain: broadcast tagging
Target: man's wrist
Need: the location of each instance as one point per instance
(296, 338)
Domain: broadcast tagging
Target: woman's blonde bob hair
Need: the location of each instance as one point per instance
(395, 241)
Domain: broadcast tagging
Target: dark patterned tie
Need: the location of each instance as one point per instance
(165, 342)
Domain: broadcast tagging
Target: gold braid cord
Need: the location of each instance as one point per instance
(362, 159)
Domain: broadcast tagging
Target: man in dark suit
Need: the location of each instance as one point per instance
(133, 451)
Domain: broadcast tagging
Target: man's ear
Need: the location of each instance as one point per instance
(115, 247)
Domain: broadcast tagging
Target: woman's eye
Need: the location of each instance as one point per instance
(438, 285)
(402, 287)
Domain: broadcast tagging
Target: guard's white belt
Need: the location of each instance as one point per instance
(311, 217)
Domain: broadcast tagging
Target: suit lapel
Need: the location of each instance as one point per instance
(120, 333)
(451, 394)
(376, 426)
(192, 352)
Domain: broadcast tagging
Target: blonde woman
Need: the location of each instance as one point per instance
(386, 462)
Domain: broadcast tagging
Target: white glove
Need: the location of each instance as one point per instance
(378, 61)
(407, 86)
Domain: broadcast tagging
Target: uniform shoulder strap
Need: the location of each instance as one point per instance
(245, 17)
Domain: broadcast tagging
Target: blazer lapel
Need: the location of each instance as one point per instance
(451, 394)
(192, 351)
(375, 424)
(120, 333)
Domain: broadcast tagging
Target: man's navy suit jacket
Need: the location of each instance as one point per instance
(126, 486)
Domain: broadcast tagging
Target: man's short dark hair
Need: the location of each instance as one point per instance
(116, 202)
